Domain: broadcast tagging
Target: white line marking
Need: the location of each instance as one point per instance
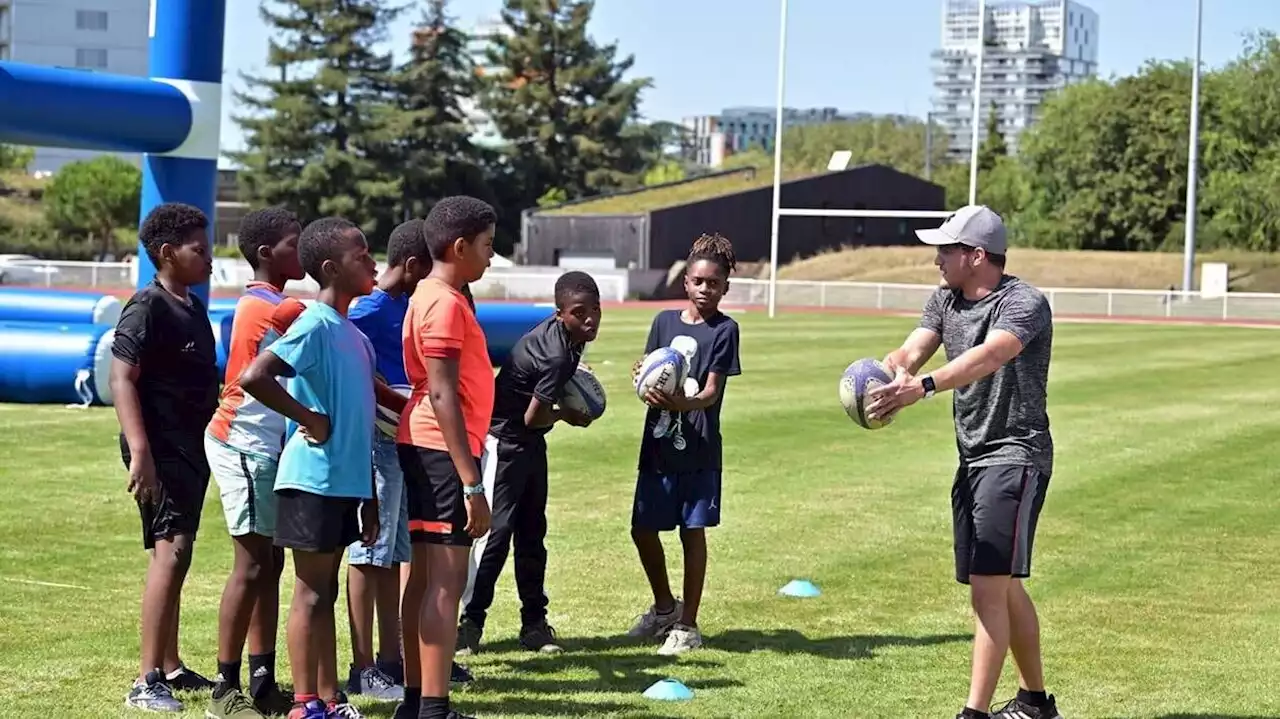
(34, 582)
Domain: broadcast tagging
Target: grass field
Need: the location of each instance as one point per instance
(1157, 567)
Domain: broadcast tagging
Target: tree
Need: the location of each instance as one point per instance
(15, 157)
(431, 132)
(562, 104)
(993, 147)
(318, 122)
(93, 198)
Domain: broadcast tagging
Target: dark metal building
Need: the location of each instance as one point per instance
(661, 237)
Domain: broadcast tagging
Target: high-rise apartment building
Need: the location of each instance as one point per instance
(93, 35)
(736, 129)
(1032, 47)
(480, 39)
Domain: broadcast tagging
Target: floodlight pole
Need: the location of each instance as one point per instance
(977, 102)
(1193, 162)
(777, 159)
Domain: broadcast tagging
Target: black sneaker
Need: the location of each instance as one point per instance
(459, 675)
(393, 669)
(184, 679)
(153, 694)
(1018, 709)
(540, 638)
(469, 635)
(271, 700)
(457, 715)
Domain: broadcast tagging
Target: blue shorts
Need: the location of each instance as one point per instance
(688, 500)
(392, 546)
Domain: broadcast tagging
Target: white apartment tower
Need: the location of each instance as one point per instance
(96, 35)
(1033, 47)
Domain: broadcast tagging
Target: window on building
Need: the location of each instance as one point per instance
(91, 58)
(91, 20)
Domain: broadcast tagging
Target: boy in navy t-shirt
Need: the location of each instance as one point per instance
(678, 483)
(373, 575)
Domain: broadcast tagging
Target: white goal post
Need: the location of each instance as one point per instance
(842, 158)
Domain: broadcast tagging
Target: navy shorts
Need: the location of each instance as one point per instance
(687, 500)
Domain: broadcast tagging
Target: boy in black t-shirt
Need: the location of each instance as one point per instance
(678, 482)
(164, 384)
(527, 388)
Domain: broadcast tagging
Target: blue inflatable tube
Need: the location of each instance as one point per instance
(37, 305)
(505, 323)
(47, 362)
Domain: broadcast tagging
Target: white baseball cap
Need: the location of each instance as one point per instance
(971, 225)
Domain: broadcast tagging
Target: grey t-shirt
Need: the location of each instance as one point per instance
(1000, 419)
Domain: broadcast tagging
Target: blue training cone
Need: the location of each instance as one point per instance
(800, 588)
(669, 690)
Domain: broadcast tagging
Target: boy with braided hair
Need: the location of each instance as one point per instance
(678, 479)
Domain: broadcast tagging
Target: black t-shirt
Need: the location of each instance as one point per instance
(689, 441)
(171, 342)
(540, 364)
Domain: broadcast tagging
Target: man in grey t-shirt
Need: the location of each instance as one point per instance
(998, 335)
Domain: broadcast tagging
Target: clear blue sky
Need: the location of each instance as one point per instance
(858, 55)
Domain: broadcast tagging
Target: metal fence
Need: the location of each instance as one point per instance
(1066, 302)
(538, 283)
(505, 283)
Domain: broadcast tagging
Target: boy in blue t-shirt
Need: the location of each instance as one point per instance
(678, 483)
(324, 482)
(373, 578)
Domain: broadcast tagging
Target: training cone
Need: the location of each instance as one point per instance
(800, 588)
(668, 690)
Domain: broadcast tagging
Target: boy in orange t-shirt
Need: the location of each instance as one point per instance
(440, 441)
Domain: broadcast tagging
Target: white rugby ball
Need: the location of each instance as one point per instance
(387, 419)
(663, 369)
(584, 393)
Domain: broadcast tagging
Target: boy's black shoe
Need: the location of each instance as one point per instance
(1018, 709)
(459, 675)
(540, 638)
(272, 701)
(184, 679)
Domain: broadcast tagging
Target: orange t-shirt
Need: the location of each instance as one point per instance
(439, 325)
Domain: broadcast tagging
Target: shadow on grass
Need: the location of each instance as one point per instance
(1216, 716)
(532, 706)
(790, 641)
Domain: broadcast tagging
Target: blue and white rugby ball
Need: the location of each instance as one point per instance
(584, 393)
(663, 369)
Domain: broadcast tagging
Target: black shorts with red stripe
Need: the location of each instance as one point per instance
(433, 490)
(995, 511)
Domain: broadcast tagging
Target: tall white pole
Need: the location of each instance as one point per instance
(1193, 161)
(977, 102)
(777, 160)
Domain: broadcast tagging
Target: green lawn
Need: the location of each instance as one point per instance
(1157, 567)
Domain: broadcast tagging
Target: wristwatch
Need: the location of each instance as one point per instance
(472, 490)
(929, 387)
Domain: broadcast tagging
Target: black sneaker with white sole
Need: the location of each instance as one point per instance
(459, 675)
(183, 679)
(1017, 709)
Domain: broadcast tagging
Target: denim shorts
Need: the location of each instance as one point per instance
(392, 546)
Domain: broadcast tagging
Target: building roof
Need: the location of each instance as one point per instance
(671, 194)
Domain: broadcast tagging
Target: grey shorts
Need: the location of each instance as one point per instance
(994, 511)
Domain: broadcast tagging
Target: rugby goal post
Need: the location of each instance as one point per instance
(840, 159)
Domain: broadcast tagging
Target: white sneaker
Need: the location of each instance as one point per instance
(681, 639)
(653, 625)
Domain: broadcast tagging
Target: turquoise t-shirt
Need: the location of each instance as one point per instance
(333, 368)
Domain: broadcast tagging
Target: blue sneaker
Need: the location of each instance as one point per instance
(314, 709)
(152, 694)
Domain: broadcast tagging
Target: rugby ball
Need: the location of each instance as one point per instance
(663, 369)
(584, 393)
(858, 379)
(387, 419)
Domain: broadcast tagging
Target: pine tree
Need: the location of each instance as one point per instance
(561, 102)
(431, 133)
(308, 143)
(993, 147)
